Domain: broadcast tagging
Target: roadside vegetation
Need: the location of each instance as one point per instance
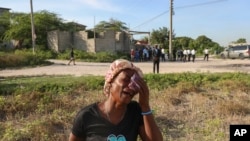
(187, 106)
(25, 57)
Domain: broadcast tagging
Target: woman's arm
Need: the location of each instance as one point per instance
(149, 131)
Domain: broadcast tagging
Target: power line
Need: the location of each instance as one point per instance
(152, 19)
(180, 7)
(200, 4)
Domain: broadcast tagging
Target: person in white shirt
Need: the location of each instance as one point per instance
(163, 54)
(193, 54)
(206, 54)
(188, 54)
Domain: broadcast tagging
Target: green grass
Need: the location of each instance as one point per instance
(187, 106)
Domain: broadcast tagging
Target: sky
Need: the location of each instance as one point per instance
(223, 21)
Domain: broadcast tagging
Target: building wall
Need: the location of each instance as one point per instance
(64, 40)
(80, 40)
(52, 39)
(109, 41)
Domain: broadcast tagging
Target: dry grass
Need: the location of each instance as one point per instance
(184, 112)
(187, 113)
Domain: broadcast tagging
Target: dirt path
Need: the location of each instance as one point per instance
(60, 67)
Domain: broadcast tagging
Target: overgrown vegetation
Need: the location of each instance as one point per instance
(93, 57)
(187, 106)
(26, 58)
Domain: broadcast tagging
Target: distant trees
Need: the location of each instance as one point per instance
(199, 44)
(112, 24)
(4, 24)
(161, 36)
(19, 27)
(241, 40)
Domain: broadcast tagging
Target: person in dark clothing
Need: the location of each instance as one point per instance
(72, 57)
(174, 54)
(118, 117)
(156, 58)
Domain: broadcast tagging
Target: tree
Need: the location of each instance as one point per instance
(160, 36)
(241, 40)
(199, 44)
(44, 22)
(183, 42)
(112, 24)
(4, 24)
(20, 27)
(203, 42)
(145, 38)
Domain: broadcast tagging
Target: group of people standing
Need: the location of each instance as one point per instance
(144, 54)
(154, 54)
(140, 55)
(186, 55)
(157, 54)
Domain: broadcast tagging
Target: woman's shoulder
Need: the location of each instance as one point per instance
(92, 108)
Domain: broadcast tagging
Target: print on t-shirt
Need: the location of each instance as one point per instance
(112, 137)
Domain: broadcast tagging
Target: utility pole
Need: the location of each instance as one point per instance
(170, 31)
(33, 35)
(94, 35)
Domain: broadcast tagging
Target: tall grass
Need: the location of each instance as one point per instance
(24, 58)
(187, 106)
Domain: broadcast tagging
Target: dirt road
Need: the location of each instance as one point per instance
(60, 67)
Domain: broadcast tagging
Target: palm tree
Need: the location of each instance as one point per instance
(112, 24)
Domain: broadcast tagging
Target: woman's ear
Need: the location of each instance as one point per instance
(107, 89)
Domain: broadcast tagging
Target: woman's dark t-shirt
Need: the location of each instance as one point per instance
(91, 126)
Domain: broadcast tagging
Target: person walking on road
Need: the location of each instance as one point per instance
(206, 54)
(72, 57)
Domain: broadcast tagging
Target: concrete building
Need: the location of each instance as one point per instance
(108, 41)
(2, 10)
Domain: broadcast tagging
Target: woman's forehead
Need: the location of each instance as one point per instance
(127, 72)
